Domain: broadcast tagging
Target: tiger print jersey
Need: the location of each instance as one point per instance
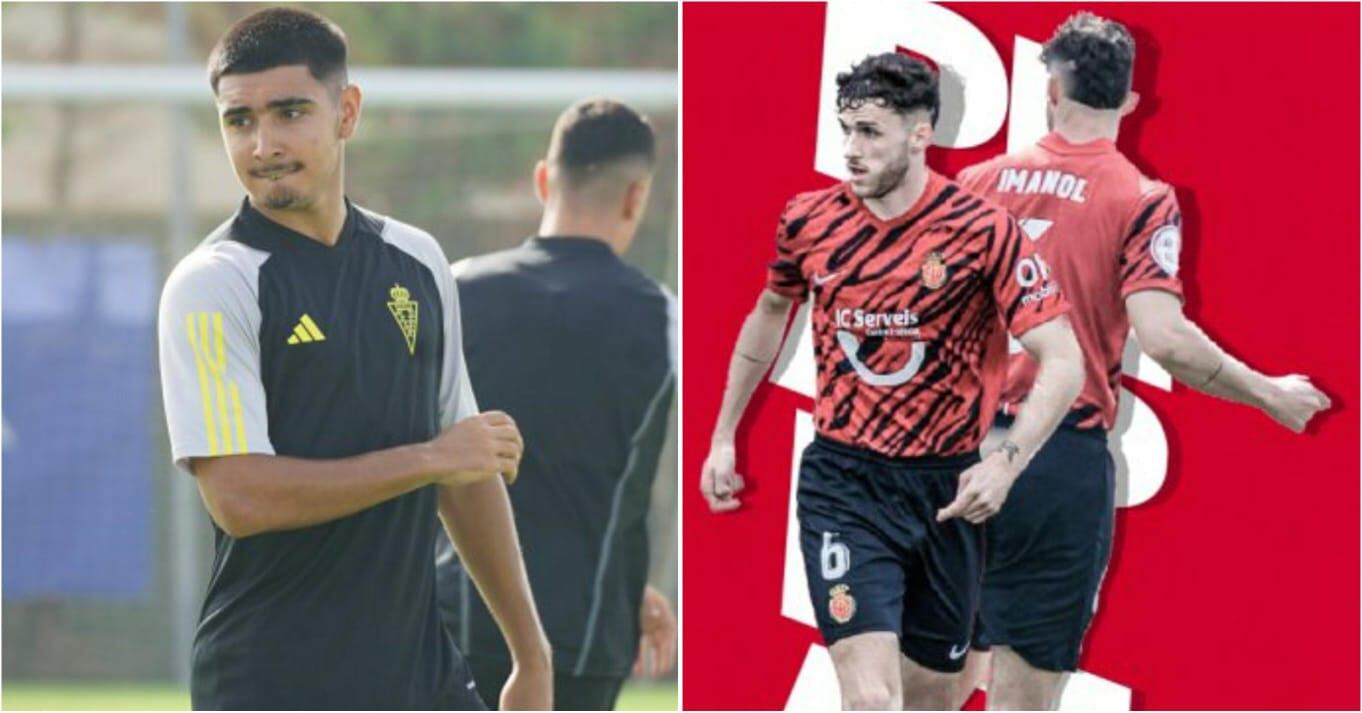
(908, 314)
(1107, 232)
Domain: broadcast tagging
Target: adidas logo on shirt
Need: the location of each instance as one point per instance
(306, 331)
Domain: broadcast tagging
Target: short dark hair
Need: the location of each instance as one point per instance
(1093, 58)
(279, 37)
(596, 132)
(898, 81)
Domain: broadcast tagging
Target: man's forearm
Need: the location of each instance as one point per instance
(757, 346)
(1058, 381)
(480, 524)
(1180, 346)
(1193, 359)
(254, 493)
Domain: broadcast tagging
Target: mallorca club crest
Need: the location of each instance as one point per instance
(934, 270)
(841, 605)
(404, 310)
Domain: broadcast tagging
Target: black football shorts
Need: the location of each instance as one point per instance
(1048, 550)
(877, 559)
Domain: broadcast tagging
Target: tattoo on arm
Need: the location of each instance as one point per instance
(1011, 449)
(1214, 374)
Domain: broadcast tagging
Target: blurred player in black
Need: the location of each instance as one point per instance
(579, 347)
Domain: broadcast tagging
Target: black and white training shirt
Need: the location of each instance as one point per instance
(273, 343)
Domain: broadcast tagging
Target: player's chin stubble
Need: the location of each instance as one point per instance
(284, 198)
(893, 176)
(885, 183)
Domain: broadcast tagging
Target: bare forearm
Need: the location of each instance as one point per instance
(256, 493)
(1192, 358)
(1058, 381)
(1057, 385)
(757, 346)
(479, 522)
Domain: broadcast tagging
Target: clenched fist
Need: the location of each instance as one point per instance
(477, 448)
(719, 482)
(1293, 401)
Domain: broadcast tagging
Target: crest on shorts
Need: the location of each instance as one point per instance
(841, 605)
(404, 310)
(934, 270)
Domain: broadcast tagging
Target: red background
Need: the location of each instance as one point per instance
(1237, 585)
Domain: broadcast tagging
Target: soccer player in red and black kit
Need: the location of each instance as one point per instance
(1111, 236)
(912, 280)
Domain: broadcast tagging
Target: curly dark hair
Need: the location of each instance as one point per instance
(279, 37)
(1093, 57)
(897, 81)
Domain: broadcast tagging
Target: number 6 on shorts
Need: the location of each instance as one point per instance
(835, 557)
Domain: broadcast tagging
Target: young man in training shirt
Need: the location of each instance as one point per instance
(912, 280)
(1112, 237)
(315, 387)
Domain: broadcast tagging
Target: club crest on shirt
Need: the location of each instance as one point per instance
(934, 270)
(404, 310)
(841, 605)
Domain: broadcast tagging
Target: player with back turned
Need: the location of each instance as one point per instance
(1112, 238)
(593, 405)
(912, 280)
(315, 387)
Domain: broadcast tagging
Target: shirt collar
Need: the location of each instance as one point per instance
(1055, 143)
(571, 245)
(259, 222)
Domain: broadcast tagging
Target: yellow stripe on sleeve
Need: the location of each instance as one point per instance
(218, 365)
(205, 393)
(240, 424)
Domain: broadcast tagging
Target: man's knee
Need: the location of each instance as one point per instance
(927, 699)
(867, 670)
(926, 689)
(1017, 685)
(870, 696)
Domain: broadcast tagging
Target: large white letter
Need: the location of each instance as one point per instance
(972, 73)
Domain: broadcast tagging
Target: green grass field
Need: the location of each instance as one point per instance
(63, 696)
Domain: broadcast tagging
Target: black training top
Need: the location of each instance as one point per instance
(578, 347)
(273, 343)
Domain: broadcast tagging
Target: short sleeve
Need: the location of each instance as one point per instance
(1023, 286)
(208, 330)
(784, 276)
(463, 403)
(1152, 244)
(457, 401)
